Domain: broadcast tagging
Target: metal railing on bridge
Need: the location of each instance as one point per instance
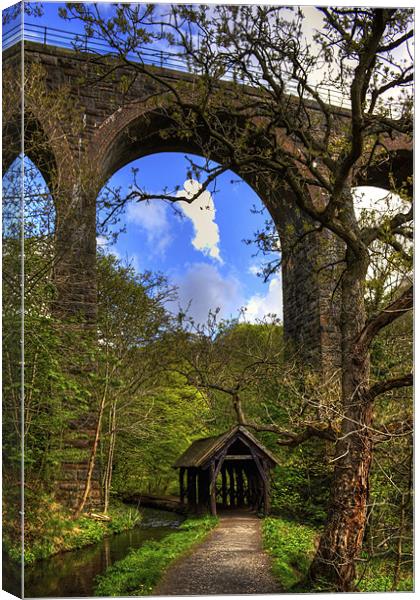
(150, 56)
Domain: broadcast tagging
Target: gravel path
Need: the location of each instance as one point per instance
(230, 561)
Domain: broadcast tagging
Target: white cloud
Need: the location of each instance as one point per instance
(103, 244)
(204, 288)
(152, 218)
(254, 269)
(374, 203)
(259, 305)
(202, 213)
(101, 241)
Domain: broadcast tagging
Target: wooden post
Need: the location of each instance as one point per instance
(181, 485)
(264, 480)
(213, 490)
(224, 487)
(252, 491)
(189, 499)
(240, 485)
(267, 506)
(231, 487)
(246, 487)
(202, 490)
(192, 489)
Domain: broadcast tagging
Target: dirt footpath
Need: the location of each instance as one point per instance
(230, 561)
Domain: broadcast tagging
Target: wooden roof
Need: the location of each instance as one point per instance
(201, 451)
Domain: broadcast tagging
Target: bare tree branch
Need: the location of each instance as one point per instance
(391, 384)
(392, 312)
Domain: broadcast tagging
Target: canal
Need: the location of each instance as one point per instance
(73, 573)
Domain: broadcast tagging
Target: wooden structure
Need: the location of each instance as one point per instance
(230, 470)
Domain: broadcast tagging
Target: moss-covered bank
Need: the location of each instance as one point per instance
(52, 530)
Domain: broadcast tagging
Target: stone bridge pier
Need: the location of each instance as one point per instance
(310, 270)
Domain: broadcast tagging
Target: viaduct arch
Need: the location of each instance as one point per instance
(118, 127)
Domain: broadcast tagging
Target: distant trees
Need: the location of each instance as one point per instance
(132, 318)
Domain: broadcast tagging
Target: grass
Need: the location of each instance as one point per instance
(292, 547)
(51, 530)
(139, 572)
(377, 576)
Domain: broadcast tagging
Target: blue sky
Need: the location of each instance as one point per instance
(202, 252)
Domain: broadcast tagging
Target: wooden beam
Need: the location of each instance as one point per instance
(238, 457)
(224, 487)
(213, 490)
(181, 485)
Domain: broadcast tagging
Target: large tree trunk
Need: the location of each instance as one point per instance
(342, 538)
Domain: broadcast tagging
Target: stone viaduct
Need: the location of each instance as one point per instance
(117, 127)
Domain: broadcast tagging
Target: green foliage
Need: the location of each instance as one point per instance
(144, 457)
(139, 572)
(377, 576)
(49, 528)
(153, 412)
(300, 488)
(292, 547)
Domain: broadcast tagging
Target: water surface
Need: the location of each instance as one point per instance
(72, 574)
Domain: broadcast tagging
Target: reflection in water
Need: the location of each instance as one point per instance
(73, 573)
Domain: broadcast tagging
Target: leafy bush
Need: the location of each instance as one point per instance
(377, 576)
(301, 485)
(139, 572)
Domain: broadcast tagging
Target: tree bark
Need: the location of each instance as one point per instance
(342, 538)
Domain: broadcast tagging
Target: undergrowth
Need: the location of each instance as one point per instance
(377, 576)
(292, 547)
(139, 572)
(50, 529)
